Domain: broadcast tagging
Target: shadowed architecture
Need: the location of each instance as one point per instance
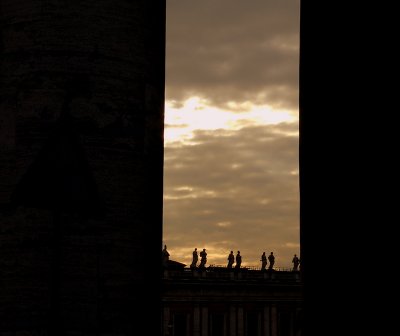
(81, 166)
(218, 301)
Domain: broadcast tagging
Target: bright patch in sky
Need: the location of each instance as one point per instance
(196, 114)
(235, 192)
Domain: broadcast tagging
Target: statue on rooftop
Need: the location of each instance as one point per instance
(231, 259)
(296, 263)
(263, 261)
(165, 256)
(203, 260)
(271, 259)
(195, 259)
(238, 260)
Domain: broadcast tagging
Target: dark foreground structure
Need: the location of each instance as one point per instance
(223, 302)
(81, 166)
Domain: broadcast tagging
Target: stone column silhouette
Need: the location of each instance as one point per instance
(81, 166)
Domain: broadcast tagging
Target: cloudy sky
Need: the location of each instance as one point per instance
(231, 130)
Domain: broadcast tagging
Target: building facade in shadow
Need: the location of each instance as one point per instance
(81, 166)
(218, 301)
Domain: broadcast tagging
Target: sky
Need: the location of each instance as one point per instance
(231, 165)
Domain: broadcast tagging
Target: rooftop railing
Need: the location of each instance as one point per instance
(243, 273)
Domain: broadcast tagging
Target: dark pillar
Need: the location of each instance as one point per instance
(81, 166)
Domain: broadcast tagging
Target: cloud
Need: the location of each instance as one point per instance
(233, 51)
(233, 190)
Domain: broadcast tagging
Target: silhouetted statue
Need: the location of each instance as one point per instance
(231, 259)
(195, 259)
(165, 256)
(271, 259)
(203, 260)
(296, 263)
(263, 261)
(238, 260)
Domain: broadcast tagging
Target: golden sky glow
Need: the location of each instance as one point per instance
(231, 130)
(196, 114)
(182, 122)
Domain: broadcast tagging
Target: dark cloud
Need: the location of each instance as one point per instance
(234, 190)
(233, 50)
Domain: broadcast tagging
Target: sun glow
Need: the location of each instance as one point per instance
(196, 114)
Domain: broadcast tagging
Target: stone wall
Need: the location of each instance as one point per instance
(81, 165)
